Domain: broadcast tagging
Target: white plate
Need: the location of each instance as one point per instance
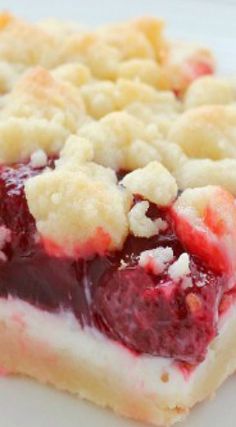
(24, 403)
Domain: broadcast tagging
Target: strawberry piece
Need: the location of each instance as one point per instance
(205, 221)
(154, 315)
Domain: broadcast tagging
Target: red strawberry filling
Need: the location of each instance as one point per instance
(146, 312)
(157, 316)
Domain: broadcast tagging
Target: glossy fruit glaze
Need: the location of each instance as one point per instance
(145, 312)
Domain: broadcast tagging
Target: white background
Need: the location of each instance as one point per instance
(24, 403)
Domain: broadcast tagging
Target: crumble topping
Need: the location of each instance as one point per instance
(142, 226)
(143, 70)
(134, 50)
(23, 43)
(162, 259)
(76, 74)
(120, 141)
(186, 282)
(20, 137)
(180, 268)
(209, 91)
(38, 94)
(38, 159)
(152, 115)
(118, 98)
(153, 182)
(172, 156)
(123, 264)
(39, 113)
(104, 97)
(77, 213)
(8, 76)
(202, 172)
(206, 132)
(157, 260)
(76, 151)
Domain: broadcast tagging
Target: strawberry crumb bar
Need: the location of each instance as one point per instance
(117, 215)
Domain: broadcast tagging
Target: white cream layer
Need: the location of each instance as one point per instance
(141, 374)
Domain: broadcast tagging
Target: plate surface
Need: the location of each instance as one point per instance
(24, 403)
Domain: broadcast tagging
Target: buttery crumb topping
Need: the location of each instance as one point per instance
(80, 213)
(120, 98)
(180, 268)
(38, 159)
(157, 260)
(153, 182)
(142, 226)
